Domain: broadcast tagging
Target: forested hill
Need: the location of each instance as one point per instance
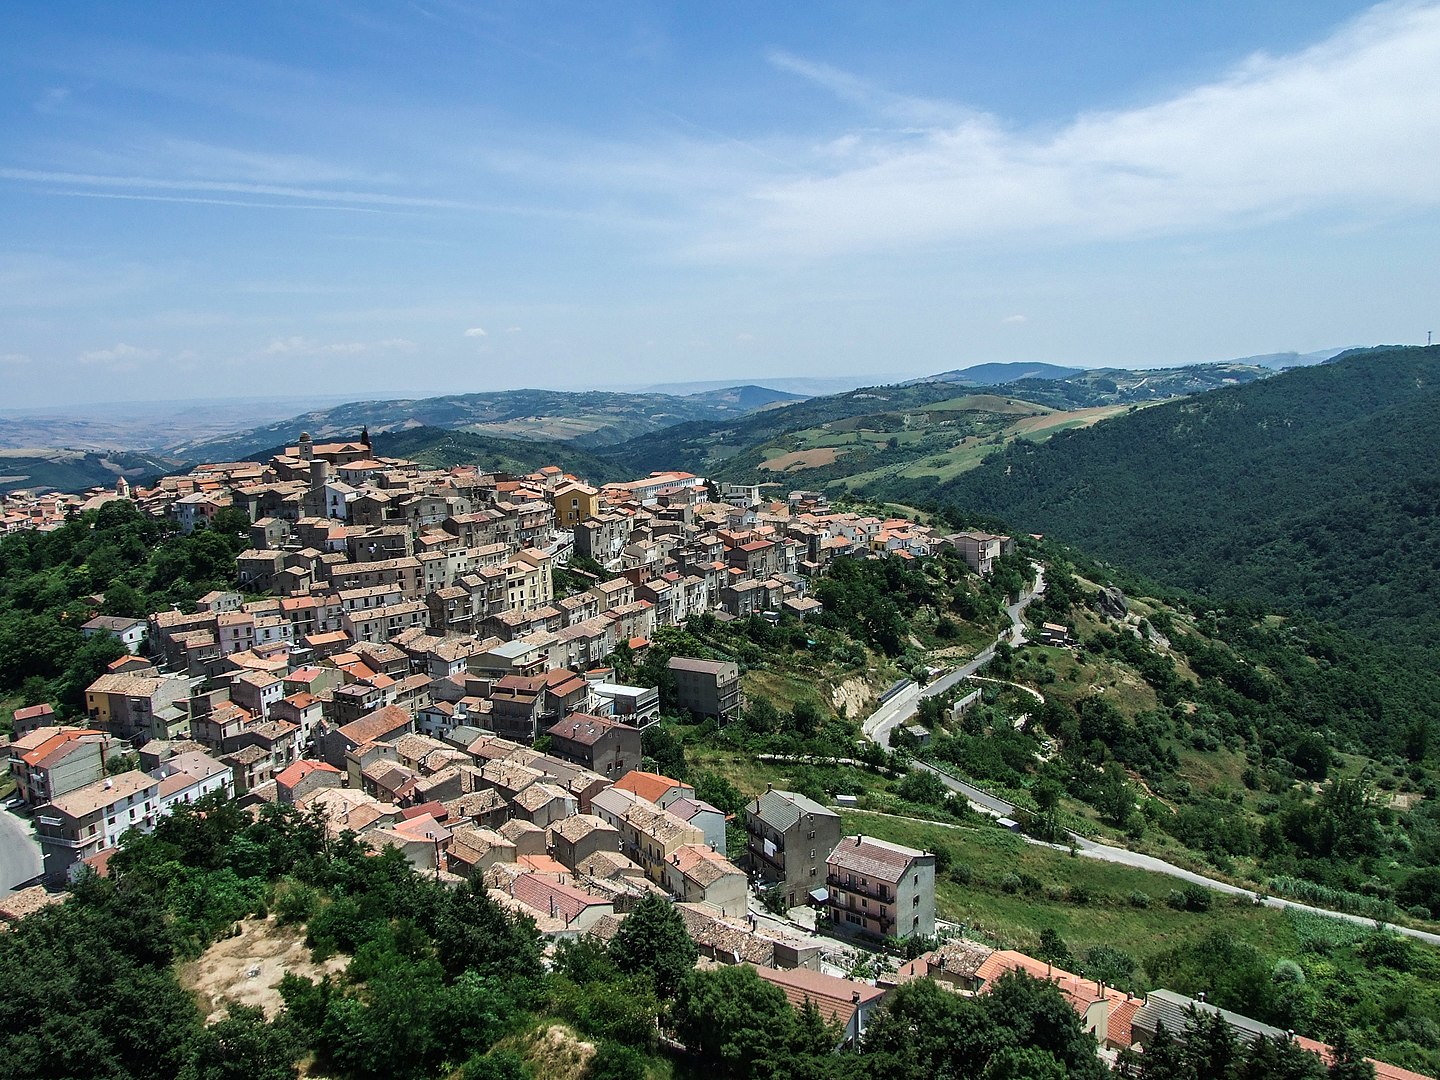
(1315, 491)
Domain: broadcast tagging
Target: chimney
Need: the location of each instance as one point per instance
(855, 996)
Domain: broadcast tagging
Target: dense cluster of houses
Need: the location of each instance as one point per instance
(395, 641)
(395, 660)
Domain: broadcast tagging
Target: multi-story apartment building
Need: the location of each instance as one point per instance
(140, 707)
(53, 761)
(789, 838)
(880, 889)
(707, 687)
(80, 823)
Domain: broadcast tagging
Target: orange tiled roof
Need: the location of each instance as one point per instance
(648, 785)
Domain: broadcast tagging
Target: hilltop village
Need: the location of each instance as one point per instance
(396, 659)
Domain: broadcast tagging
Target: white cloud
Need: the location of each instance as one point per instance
(281, 346)
(297, 345)
(14, 358)
(1348, 124)
(476, 331)
(123, 353)
(512, 329)
(1015, 320)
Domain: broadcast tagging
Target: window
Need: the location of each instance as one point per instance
(915, 901)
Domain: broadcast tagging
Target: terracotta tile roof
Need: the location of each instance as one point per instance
(650, 786)
(543, 864)
(577, 827)
(872, 858)
(553, 898)
(702, 865)
(1119, 1033)
(834, 997)
(515, 829)
(584, 729)
(376, 724)
(297, 771)
(102, 793)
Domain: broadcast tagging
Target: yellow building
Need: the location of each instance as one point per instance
(574, 503)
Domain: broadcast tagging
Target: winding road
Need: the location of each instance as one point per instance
(900, 708)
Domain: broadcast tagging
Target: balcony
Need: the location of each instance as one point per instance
(875, 890)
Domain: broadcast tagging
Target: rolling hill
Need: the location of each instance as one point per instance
(587, 419)
(1315, 491)
(1000, 374)
(62, 469)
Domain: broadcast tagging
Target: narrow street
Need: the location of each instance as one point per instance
(19, 853)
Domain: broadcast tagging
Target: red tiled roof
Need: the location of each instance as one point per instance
(541, 893)
(297, 771)
(834, 997)
(648, 785)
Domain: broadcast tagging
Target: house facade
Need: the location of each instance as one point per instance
(880, 889)
(789, 838)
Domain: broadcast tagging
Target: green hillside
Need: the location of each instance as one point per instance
(442, 449)
(1315, 492)
(593, 418)
(75, 470)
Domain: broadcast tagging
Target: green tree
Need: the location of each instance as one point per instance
(735, 1022)
(923, 787)
(653, 941)
(243, 1046)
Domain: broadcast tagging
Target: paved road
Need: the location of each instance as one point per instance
(19, 853)
(902, 706)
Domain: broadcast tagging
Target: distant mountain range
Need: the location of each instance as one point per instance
(1000, 374)
(751, 432)
(591, 419)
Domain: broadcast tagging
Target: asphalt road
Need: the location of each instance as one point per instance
(900, 708)
(19, 853)
(903, 705)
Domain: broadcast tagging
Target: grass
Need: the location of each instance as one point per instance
(1107, 918)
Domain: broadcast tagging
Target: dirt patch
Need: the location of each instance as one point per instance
(557, 1053)
(853, 696)
(248, 968)
(1074, 418)
(803, 459)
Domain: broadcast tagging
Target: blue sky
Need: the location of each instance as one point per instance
(199, 200)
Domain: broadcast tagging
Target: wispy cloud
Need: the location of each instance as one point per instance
(476, 331)
(15, 358)
(298, 345)
(1348, 124)
(1015, 320)
(286, 191)
(865, 94)
(198, 201)
(121, 352)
